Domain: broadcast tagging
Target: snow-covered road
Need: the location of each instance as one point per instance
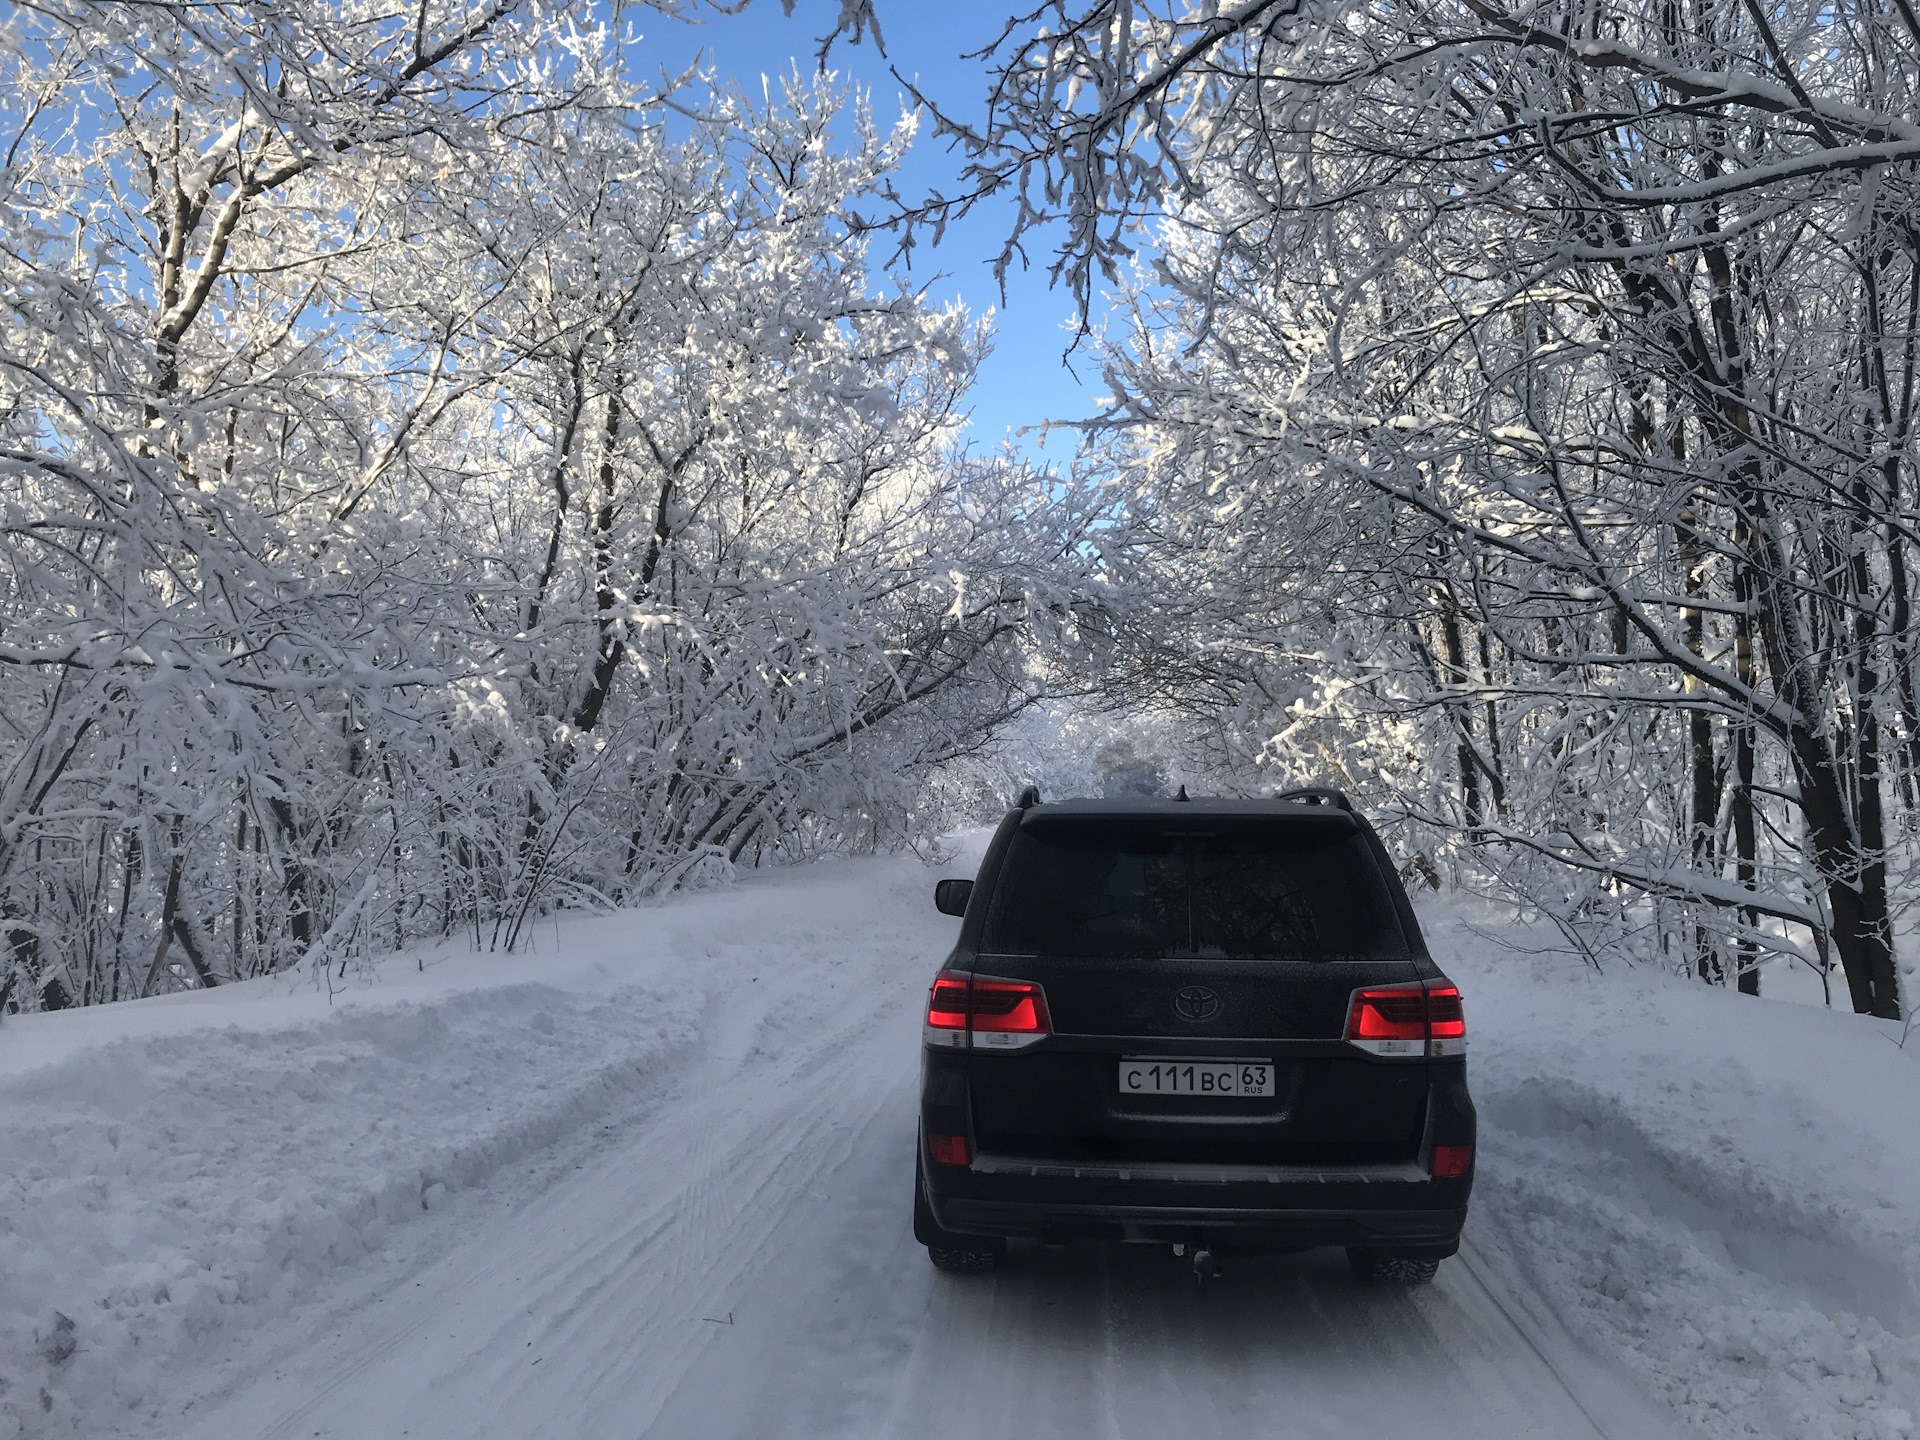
(654, 1181)
(738, 1263)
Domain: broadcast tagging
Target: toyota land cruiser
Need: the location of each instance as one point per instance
(1211, 1024)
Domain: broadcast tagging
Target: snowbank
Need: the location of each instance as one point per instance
(1726, 1191)
(1723, 1193)
(173, 1167)
(154, 1187)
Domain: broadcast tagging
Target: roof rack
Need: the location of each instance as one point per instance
(1318, 795)
(1029, 797)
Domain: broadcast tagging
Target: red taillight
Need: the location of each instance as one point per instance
(1450, 1162)
(948, 1149)
(1407, 1020)
(1444, 1014)
(1009, 1006)
(1398, 1014)
(947, 1005)
(985, 1012)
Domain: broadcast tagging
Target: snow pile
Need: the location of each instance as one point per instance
(153, 1185)
(178, 1172)
(1726, 1191)
(1719, 1192)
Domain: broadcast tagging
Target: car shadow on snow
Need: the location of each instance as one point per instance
(1121, 1329)
(1304, 1303)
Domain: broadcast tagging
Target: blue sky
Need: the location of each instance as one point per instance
(1023, 382)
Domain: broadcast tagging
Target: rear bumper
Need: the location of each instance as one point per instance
(1237, 1207)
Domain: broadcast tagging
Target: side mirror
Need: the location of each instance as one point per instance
(950, 896)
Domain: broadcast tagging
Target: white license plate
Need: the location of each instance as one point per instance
(1195, 1077)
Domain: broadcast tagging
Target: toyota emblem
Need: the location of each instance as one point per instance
(1196, 1003)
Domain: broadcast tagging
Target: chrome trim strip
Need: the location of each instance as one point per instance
(1409, 1173)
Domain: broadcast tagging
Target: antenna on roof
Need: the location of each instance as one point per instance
(1183, 793)
(1029, 797)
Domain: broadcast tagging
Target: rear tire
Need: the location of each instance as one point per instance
(1383, 1267)
(956, 1254)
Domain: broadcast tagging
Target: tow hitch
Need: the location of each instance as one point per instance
(1205, 1271)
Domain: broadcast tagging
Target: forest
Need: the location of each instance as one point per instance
(451, 471)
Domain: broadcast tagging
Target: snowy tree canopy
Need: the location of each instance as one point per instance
(446, 478)
(1520, 404)
(437, 488)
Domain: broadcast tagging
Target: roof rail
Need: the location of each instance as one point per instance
(1029, 797)
(1318, 795)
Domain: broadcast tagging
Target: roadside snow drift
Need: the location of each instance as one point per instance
(684, 1132)
(1727, 1190)
(157, 1187)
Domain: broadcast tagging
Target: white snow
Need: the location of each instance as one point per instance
(207, 1171)
(653, 1180)
(1727, 1191)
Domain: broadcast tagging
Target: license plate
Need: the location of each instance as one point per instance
(1196, 1077)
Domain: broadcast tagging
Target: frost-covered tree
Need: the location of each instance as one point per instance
(1522, 404)
(435, 487)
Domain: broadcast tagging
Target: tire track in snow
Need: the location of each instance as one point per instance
(604, 1278)
(1471, 1265)
(741, 1264)
(1111, 1343)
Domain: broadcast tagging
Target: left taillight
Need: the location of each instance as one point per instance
(985, 1012)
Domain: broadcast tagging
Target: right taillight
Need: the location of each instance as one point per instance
(1008, 1014)
(1407, 1020)
(985, 1012)
(947, 1149)
(947, 1011)
(1446, 1021)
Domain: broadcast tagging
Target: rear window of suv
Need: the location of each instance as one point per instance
(1112, 890)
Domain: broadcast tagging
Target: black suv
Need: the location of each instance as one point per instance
(1205, 1023)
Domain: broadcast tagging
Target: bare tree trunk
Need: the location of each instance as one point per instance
(129, 877)
(1745, 857)
(1869, 816)
(1854, 875)
(1703, 807)
(1496, 761)
(238, 965)
(294, 873)
(1454, 653)
(613, 645)
(173, 923)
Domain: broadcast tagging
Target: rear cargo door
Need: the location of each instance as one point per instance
(1177, 957)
